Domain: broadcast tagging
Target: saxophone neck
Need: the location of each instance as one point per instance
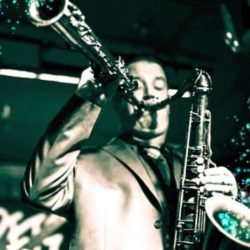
(203, 82)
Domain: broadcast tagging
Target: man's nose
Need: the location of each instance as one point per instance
(149, 90)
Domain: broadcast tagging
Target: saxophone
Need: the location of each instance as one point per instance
(193, 207)
(67, 20)
(190, 228)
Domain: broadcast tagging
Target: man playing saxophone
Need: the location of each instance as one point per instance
(120, 196)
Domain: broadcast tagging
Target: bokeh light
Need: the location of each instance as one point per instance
(233, 224)
(12, 21)
(241, 142)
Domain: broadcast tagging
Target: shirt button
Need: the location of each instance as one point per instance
(158, 224)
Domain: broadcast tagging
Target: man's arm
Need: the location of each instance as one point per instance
(49, 177)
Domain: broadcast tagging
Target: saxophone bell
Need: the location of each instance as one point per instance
(230, 217)
(46, 12)
(69, 22)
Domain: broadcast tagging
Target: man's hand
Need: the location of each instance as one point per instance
(218, 180)
(89, 88)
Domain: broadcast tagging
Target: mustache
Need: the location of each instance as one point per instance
(150, 100)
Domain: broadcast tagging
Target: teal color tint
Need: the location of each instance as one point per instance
(234, 225)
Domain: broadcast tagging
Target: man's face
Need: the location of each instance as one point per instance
(152, 84)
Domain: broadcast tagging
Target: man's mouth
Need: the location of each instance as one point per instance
(150, 101)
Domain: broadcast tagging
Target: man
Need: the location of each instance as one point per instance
(117, 197)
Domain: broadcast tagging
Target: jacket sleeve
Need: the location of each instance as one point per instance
(49, 176)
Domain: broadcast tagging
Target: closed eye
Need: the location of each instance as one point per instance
(160, 83)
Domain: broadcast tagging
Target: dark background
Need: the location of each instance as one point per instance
(185, 34)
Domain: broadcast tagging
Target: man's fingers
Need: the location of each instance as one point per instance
(217, 171)
(217, 180)
(225, 189)
(87, 75)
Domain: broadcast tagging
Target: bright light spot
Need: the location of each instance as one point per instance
(42, 76)
(171, 92)
(58, 78)
(6, 112)
(229, 35)
(236, 43)
(18, 73)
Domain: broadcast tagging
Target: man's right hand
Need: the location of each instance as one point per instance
(89, 88)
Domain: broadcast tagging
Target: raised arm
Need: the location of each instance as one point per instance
(48, 180)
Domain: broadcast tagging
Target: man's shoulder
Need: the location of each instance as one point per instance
(113, 147)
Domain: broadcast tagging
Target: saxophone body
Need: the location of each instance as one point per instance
(191, 217)
(229, 217)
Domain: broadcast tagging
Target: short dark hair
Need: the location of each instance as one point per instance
(143, 57)
(146, 57)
